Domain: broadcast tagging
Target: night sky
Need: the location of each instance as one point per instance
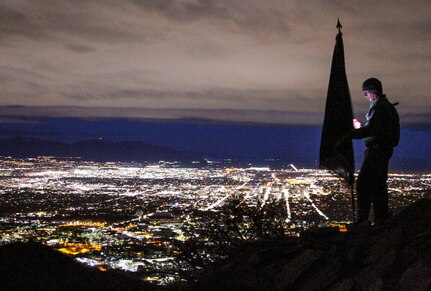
(232, 62)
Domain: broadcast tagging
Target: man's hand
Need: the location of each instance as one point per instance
(356, 124)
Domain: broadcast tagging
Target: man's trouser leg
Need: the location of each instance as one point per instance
(380, 198)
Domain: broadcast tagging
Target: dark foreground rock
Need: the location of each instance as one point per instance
(33, 266)
(396, 256)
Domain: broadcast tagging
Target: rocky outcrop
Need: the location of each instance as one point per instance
(396, 256)
(34, 266)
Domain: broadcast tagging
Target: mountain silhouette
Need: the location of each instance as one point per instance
(94, 150)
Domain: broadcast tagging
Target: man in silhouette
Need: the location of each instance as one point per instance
(381, 134)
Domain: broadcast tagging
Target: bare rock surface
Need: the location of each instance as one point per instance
(396, 256)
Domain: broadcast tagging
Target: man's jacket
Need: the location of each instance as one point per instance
(382, 127)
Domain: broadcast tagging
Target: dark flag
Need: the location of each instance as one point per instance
(338, 119)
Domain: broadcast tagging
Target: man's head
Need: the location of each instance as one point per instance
(372, 89)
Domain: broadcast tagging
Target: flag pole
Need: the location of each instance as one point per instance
(353, 202)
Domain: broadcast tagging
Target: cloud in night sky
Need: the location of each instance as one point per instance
(245, 61)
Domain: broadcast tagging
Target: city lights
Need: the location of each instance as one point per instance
(128, 216)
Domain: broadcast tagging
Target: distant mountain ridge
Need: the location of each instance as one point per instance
(95, 150)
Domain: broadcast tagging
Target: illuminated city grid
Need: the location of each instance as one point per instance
(127, 216)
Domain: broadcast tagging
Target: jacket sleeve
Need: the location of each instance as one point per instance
(374, 126)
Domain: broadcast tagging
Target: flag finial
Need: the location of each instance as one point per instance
(339, 26)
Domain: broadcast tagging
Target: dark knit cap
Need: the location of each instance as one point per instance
(372, 84)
